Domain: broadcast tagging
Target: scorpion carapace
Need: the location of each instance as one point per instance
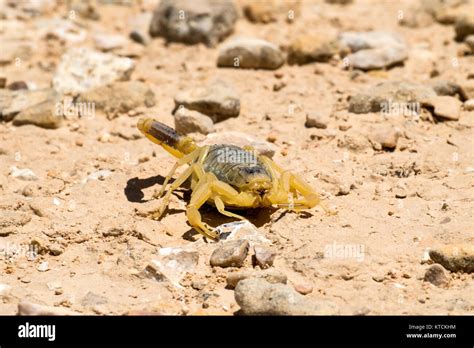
(226, 176)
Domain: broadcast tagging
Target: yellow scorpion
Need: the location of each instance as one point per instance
(226, 176)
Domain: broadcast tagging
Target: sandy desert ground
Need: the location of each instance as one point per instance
(75, 234)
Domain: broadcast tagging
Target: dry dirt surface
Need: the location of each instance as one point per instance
(76, 184)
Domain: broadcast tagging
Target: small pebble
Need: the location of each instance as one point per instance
(43, 266)
(303, 289)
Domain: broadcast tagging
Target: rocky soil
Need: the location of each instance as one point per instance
(371, 102)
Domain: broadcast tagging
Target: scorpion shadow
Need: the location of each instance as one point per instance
(135, 186)
(133, 190)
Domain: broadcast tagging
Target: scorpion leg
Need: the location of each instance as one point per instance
(209, 187)
(194, 168)
(221, 208)
(198, 153)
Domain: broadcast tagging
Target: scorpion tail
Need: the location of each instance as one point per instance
(167, 137)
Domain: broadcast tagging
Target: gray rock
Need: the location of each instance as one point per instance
(81, 69)
(250, 53)
(377, 58)
(230, 254)
(456, 258)
(264, 257)
(444, 107)
(384, 94)
(218, 100)
(13, 102)
(119, 97)
(259, 297)
(189, 121)
(191, 22)
(374, 50)
(436, 275)
(464, 26)
(272, 276)
(42, 115)
(241, 139)
(172, 264)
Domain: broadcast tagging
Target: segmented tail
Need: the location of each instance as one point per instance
(167, 137)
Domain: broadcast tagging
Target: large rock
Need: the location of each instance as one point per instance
(259, 297)
(444, 107)
(13, 102)
(81, 69)
(388, 95)
(191, 22)
(456, 258)
(374, 50)
(189, 121)
(42, 115)
(218, 100)
(250, 53)
(464, 26)
(119, 97)
(311, 48)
